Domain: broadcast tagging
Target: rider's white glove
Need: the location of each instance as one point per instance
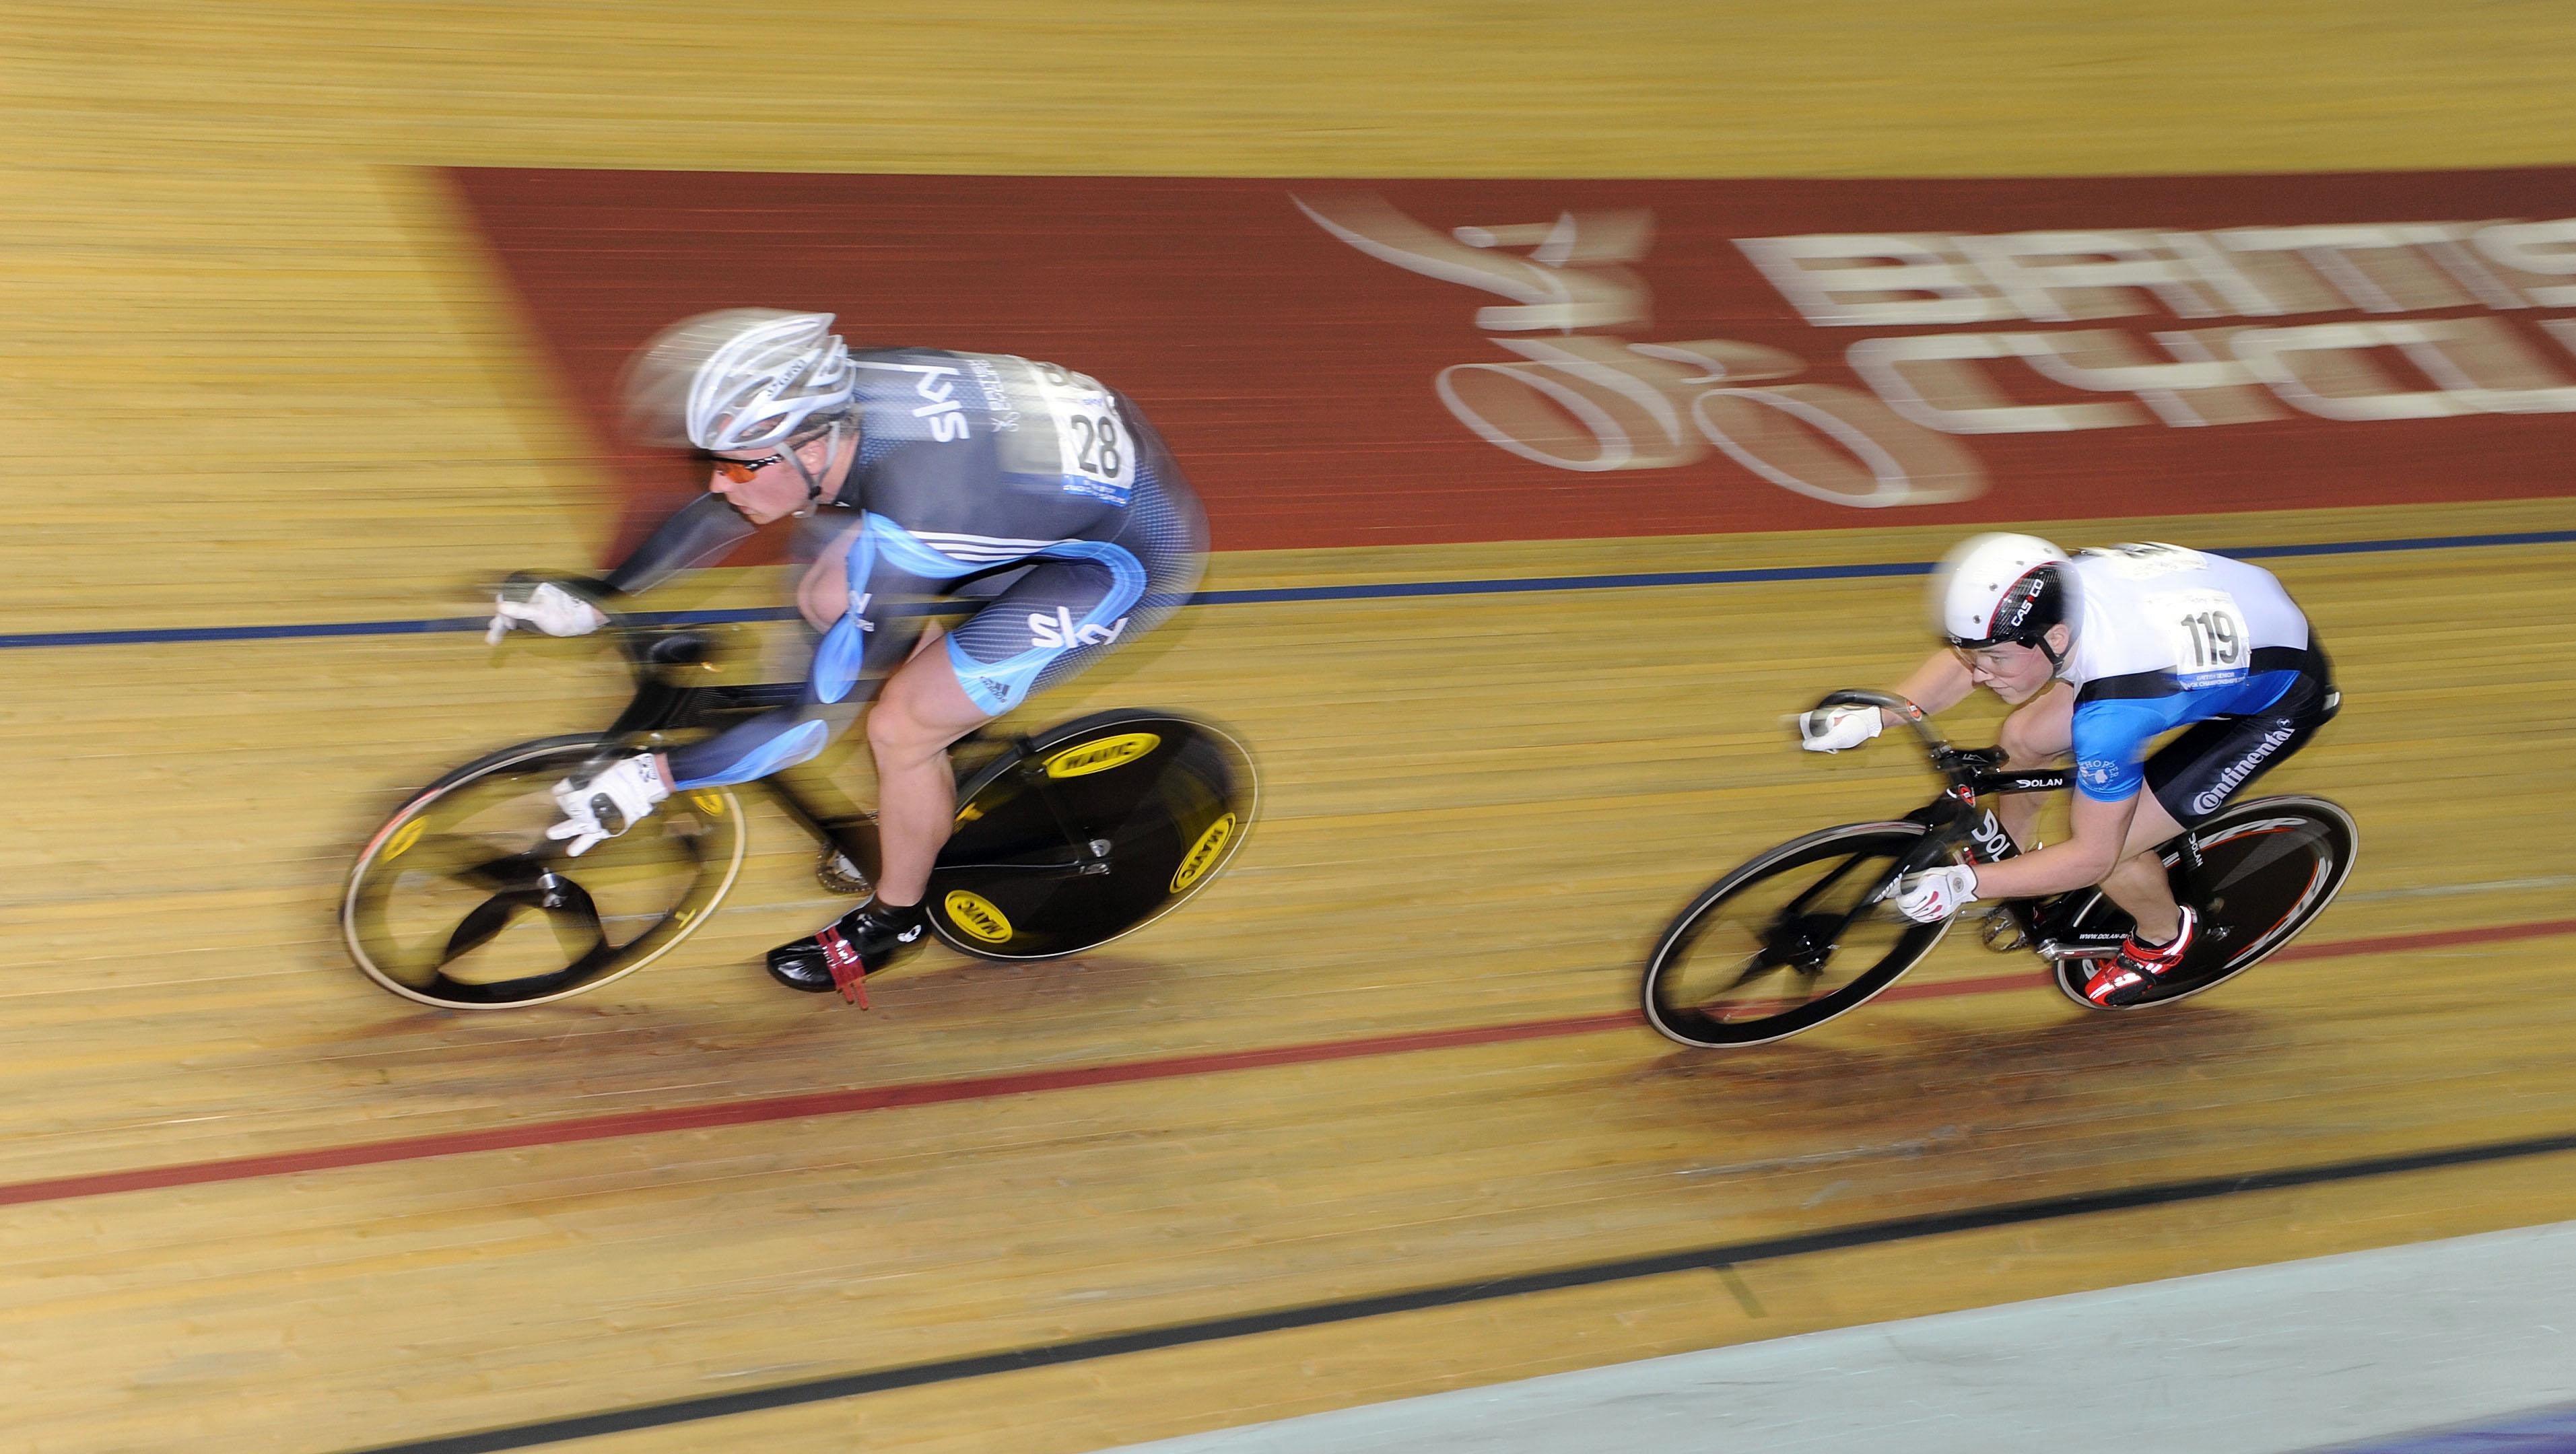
(1936, 893)
(608, 802)
(549, 608)
(1831, 729)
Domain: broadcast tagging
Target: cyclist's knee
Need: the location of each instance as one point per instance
(2028, 743)
(922, 711)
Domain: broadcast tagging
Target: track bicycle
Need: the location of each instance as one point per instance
(1065, 839)
(1809, 930)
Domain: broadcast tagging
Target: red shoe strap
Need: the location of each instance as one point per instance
(842, 958)
(2108, 977)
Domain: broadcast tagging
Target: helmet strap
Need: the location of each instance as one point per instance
(2056, 662)
(813, 481)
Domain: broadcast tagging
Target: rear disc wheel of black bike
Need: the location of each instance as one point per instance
(461, 901)
(1097, 828)
(1787, 941)
(2267, 867)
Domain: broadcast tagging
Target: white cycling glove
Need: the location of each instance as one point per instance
(1831, 729)
(608, 802)
(1936, 893)
(549, 608)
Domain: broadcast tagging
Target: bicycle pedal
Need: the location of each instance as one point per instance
(834, 871)
(2002, 933)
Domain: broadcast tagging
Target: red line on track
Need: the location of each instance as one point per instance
(937, 1092)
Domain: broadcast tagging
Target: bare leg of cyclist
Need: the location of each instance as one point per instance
(921, 711)
(2138, 883)
(2034, 736)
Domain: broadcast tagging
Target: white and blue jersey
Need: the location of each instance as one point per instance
(2165, 637)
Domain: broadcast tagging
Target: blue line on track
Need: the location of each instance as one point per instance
(1506, 585)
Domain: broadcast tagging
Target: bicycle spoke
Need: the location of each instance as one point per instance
(509, 872)
(574, 917)
(1818, 946)
(1797, 907)
(1758, 966)
(480, 926)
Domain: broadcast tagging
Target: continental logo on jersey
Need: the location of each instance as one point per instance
(977, 916)
(1102, 755)
(1204, 853)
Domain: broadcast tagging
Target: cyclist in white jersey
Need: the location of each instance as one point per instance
(2099, 654)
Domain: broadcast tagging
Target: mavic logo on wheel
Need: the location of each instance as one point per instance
(977, 916)
(1059, 630)
(1204, 853)
(1102, 755)
(404, 838)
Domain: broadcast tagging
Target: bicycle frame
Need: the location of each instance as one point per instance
(665, 700)
(1959, 823)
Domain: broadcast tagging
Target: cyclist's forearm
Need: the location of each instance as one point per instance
(2051, 870)
(2096, 833)
(1938, 684)
(771, 742)
(698, 533)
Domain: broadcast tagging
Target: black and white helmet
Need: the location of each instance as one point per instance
(1997, 588)
(739, 378)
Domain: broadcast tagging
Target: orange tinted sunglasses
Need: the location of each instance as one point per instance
(741, 471)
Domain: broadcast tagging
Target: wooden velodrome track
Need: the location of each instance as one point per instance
(257, 375)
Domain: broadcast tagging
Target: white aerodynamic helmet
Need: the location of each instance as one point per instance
(738, 378)
(1992, 589)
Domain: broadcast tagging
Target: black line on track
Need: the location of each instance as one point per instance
(1588, 1274)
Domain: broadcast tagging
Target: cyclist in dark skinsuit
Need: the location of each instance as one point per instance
(933, 470)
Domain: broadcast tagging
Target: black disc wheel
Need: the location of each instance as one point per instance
(2268, 866)
(461, 900)
(1788, 941)
(1088, 831)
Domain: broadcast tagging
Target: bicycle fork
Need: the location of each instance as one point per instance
(1090, 855)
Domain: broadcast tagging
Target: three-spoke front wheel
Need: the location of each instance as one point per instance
(1788, 941)
(461, 900)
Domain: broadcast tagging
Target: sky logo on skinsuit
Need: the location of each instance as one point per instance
(1059, 630)
(944, 415)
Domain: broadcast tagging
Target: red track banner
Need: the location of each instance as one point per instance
(1393, 362)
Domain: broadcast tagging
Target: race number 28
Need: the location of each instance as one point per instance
(1094, 447)
(1097, 454)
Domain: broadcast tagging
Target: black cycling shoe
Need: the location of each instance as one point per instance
(858, 944)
